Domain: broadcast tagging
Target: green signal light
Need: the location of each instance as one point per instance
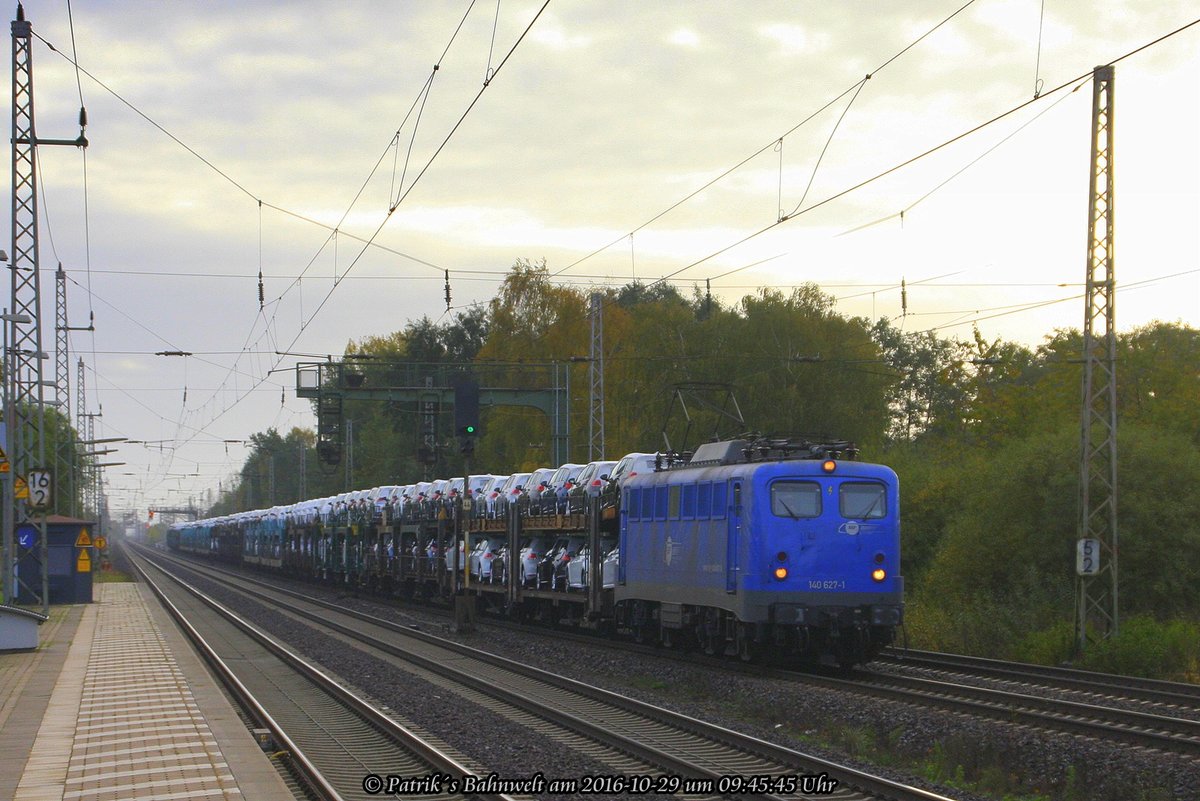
(470, 429)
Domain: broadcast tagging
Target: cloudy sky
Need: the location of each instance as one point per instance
(229, 138)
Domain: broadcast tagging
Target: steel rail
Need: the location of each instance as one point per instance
(1133, 688)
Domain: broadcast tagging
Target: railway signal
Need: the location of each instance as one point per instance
(466, 407)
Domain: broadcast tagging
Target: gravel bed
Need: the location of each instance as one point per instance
(867, 731)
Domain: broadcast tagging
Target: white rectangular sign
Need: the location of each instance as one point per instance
(40, 488)
(1087, 557)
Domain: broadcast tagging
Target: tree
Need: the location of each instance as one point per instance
(531, 321)
(930, 393)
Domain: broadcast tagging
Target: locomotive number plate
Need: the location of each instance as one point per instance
(826, 584)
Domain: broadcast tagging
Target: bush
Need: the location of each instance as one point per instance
(1049, 646)
(1149, 648)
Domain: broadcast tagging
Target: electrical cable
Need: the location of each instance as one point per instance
(335, 230)
(771, 145)
(829, 141)
(379, 228)
(914, 159)
(1144, 283)
(968, 166)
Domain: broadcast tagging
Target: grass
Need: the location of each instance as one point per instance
(110, 576)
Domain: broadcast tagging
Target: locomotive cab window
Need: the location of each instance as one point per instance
(796, 499)
(647, 503)
(660, 503)
(633, 501)
(718, 499)
(689, 501)
(862, 500)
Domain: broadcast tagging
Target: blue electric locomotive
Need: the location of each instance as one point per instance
(786, 546)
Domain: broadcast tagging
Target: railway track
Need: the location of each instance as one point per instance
(656, 750)
(334, 740)
(1165, 696)
(1094, 719)
(1140, 712)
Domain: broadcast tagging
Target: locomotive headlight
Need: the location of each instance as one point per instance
(829, 466)
(781, 573)
(879, 574)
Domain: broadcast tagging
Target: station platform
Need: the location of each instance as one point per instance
(115, 704)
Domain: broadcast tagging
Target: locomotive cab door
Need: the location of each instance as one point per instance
(733, 530)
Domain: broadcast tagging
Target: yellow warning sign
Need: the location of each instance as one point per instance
(20, 488)
(101, 543)
(4, 465)
(84, 563)
(83, 540)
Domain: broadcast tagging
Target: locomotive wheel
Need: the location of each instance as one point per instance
(708, 634)
(748, 649)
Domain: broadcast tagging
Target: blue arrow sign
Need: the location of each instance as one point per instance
(26, 536)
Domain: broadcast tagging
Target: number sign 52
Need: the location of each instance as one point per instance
(41, 487)
(1087, 557)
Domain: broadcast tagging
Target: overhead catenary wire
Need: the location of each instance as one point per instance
(429, 162)
(305, 321)
(912, 160)
(1004, 311)
(967, 166)
(898, 166)
(828, 141)
(855, 87)
(234, 368)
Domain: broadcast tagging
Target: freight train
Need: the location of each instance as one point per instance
(743, 548)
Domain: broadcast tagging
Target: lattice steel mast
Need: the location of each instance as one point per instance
(66, 459)
(596, 380)
(1096, 563)
(24, 533)
(81, 419)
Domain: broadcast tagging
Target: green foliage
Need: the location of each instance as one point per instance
(1150, 648)
(1158, 517)
(60, 440)
(1004, 560)
(928, 477)
(1004, 563)
(1052, 645)
(929, 393)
